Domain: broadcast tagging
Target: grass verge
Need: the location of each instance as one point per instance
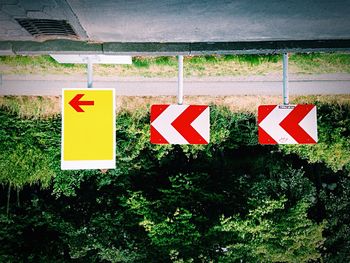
(194, 66)
(43, 107)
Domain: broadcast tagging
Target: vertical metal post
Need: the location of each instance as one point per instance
(180, 90)
(285, 79)
(89, 73)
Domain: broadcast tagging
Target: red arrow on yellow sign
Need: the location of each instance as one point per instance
(76, 103)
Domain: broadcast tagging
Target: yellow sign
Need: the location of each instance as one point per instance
(88, 129)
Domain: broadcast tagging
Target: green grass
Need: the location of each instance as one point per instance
(140, 62)
(196, 66)
(324, 63)
(27, 61)
(166, 61)
(253, 59)
(36, 107)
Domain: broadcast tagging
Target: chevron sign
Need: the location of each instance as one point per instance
(180, 124)
(287, 124)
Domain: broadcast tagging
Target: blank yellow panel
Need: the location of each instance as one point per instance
(88, 135)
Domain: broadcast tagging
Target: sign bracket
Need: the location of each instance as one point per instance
(285, 91)
(89, 60)
(180, 83)
(89, 72)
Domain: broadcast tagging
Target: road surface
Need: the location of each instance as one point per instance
(309, 85)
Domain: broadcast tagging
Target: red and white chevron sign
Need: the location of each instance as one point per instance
(287, 124)
(180, 124)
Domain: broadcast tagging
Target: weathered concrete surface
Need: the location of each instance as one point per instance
(171, 27)
(212, 20)
(39, 9)
(55, 46)
(6, 48)
(135, 49)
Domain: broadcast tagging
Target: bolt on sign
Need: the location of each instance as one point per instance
(180, 124)
(287, 124)
(88, 129)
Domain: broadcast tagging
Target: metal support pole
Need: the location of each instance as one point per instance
(285, 79)
(89, 73)
(180, 91)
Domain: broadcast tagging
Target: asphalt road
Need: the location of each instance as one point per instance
(161, 87)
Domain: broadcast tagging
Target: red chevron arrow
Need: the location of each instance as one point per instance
(183, 124)
(156, 137)
(263, 111)
(76, 103)
(291, 124)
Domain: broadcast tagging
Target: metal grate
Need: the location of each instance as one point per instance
(47, 27)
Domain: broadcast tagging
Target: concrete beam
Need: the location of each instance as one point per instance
(163, 49)
(6, 48)
(270, 47)
(55, 47)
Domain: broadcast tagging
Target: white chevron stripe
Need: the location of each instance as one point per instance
(163, 124)
(271, 125)
(202, 124)
(309, 124)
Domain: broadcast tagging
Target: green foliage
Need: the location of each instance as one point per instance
(269, 233)
(254, 59)
(32, 234)
(284, 180)
(66, 182)
(229, 200)
(104, 240)
(23, 166)
(24, 107)
(26, 60)
(24, 151)
(333, 147)
(140, 62)
(32, 61)
(206, 65)
(337, 202)
(166, 61)
(175, 232)
(315, 61)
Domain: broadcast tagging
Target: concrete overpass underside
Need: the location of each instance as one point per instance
(172, 27)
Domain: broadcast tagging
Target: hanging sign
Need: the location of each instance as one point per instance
(180, 124)
(88, 129)
(287, 124)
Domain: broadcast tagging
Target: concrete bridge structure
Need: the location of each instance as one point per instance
(173, 27)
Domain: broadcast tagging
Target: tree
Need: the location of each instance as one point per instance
(22, 166)
(272, 233)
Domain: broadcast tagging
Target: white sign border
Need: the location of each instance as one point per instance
(88, 164)
(201, 124)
